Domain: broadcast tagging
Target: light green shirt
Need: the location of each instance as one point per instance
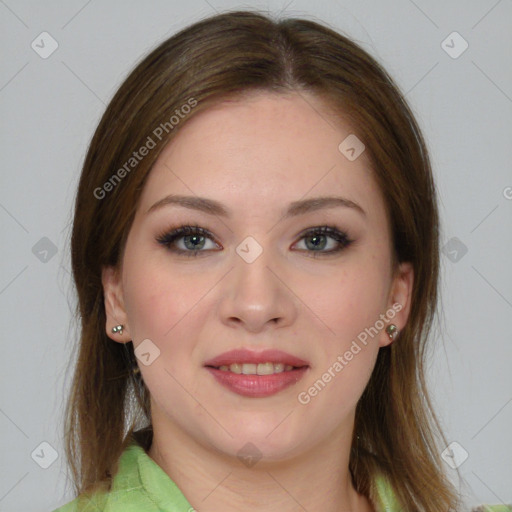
(141, 485)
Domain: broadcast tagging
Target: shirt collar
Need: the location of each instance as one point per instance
(137, 469)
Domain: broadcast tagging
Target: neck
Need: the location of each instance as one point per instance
(318, 480)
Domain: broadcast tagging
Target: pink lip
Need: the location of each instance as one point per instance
(250, 356)
(256, 386)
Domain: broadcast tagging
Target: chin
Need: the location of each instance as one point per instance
(263, 443)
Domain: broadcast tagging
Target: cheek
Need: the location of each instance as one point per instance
(160, 306)
(352, 300)
(348, 384)
(157, 300)
(350, 305)
(331, 394)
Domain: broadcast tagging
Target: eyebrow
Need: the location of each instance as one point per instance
(213, 207)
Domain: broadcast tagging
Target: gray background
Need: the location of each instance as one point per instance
(50, 107)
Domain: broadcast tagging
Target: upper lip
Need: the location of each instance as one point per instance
(242, 356)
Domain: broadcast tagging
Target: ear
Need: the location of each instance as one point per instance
(114, 304)
(399, 302)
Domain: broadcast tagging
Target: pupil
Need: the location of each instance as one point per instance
(316, 245)
(194, 238)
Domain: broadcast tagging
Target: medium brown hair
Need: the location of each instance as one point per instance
(396, 429)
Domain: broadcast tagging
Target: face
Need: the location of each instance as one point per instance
(261, 272)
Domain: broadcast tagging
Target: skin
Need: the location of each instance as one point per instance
(255, 157)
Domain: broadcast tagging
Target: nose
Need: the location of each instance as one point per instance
(256, 295)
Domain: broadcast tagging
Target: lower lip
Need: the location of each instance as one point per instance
(257, 386)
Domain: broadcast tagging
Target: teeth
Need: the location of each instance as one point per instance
(257, 369)
(249, 369)
(265, 369)
(235, 368)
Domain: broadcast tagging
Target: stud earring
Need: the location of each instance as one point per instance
(392, 331)
(118, 329)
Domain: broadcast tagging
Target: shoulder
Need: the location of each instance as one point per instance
(127, 493)
(384, 498)
(140, 485)
(493, 508)
(83, 503)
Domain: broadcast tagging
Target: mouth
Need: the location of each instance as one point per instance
(256, 374)
(268, 368)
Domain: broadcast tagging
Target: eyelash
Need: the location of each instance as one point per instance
(168, 238)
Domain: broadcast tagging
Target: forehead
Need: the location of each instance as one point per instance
(259, 150)
(284, 122)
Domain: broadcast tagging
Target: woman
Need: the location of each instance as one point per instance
(281, 366)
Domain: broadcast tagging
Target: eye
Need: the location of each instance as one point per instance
(194, 240)
(316, 240)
